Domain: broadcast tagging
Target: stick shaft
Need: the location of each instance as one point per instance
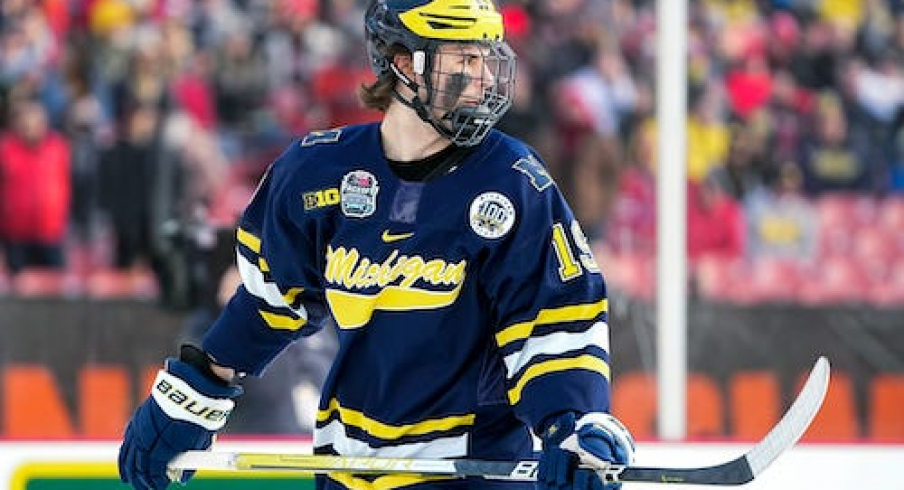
(735, 472)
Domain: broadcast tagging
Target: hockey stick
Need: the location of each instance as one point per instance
(735, 472)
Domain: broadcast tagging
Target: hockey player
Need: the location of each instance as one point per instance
(470, 311)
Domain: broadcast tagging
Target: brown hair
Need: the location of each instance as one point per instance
(378, 95)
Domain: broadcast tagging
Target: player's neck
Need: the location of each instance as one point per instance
(406, 137)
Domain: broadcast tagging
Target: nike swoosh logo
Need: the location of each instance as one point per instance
(393, 237)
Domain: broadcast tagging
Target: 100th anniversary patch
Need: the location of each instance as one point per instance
(492, 215)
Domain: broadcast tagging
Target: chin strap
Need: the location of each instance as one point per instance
(417, 105)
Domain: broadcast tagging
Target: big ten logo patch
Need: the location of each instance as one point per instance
(320, 198)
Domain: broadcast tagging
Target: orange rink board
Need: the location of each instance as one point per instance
(744, 367)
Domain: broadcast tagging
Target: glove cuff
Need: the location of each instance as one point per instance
(198, 359)
(180, 401)
(557, 428)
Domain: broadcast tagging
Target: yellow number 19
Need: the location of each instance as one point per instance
(569, 265)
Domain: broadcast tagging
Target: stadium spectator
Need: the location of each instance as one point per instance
(252, 74)
(785, 115)
(747, 163)
(88, 128)
(141, 183)
(749, 86)
(632, 223)
(707, 132)
(35, 187)
(527, 119)
(715, 223)
(240, 88)
(831, 160)
(781, 221)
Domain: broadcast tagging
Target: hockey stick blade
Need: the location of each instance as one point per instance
(735, 472)
(745, 468)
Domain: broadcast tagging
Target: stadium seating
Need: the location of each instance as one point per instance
(874, 244)
(837, 279)
(106, 284)
(774, 279)
(718, 278)
(632, 273)
(42, 282)
(860, 242)
(891, 213)
(889, 291)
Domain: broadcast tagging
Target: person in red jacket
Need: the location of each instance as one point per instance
(34, 189)
(715, 222)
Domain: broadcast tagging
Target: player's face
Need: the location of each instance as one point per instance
(463, 75)
(467, 87)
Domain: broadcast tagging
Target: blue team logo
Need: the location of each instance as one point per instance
(358, 194)
(492, 215)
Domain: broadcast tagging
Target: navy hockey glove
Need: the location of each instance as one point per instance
(185, 409)
(572, 448)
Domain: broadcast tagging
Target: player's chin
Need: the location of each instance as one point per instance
(469, 100)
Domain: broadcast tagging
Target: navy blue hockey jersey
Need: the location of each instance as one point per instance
(469, 307)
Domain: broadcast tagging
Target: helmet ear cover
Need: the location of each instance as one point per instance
(419, 62)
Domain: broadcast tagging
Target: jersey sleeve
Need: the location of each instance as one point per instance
(280, 298)
(551, 307)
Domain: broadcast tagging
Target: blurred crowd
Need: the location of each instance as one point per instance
(134, 130)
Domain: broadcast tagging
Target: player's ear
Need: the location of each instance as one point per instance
(403, 61)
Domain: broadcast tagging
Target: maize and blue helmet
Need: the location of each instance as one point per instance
(428, 29)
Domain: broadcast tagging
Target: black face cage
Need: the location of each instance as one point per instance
(460, 113)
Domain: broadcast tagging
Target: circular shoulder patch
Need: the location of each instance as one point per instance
(492, 215)
(358, 194)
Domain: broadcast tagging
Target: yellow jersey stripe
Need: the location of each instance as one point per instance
(354, 310)
(523, 330)
(291, 295)
(387, 482)
(282, 322)
(385, 431)
(587, 362)
(248, 240)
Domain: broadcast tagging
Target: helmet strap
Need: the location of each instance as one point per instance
(404, 78)
(416, 104)
(421, 110)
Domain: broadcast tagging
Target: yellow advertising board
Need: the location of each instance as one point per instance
(102, 475)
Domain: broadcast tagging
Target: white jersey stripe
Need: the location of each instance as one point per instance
(255, 283)
(444, 447)
(557, 343)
